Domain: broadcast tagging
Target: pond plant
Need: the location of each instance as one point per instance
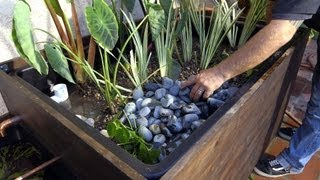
(124, 45)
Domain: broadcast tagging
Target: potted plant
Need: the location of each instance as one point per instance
(232, 129)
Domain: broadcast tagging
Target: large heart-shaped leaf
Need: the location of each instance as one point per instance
(156, 19)
(23, 38)
(102, 24)
(58, 61)
(129, 4)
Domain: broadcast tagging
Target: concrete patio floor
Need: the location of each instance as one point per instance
(296, 107)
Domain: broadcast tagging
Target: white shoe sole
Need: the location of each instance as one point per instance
(261, 173)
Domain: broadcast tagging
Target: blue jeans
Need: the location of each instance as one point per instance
(306, 141)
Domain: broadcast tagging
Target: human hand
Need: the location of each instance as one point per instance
(204, 83)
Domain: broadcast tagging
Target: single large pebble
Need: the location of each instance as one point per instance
(174, 124)
(159, 138)
(231, 91)
(191, 109)
(165, 130)
(142, 121)
(137, 93)
(132, 120)
(167, 82)
(185, 99)
(156, 112)
(167, 100)
(174, 90)
(214, 103)
(185, 136)
(149, 94)
(138, 103)
(130, 108)
(145, 133)
(145, 111)
(151, 120)
(177, 113)
(160, 93)
(155, 129)
(188, 119)
(175, 105)
(105, 133)
(123, 119)
(150, 102)
(165, 112)
(195, 124)
(90, 122)
(184, 92)
(150, 86)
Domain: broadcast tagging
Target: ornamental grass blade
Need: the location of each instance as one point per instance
(58, 61)
(23, 38)
(102, 24)
(156, 19)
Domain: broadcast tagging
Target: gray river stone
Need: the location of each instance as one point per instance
(155, 129)
(142, 121)
(185, 136)
(156, 112)
(174, 124)
(160, 93)
(149, 94)
(137, 93)
(177, 113)
(188, 119)
(174, 90)
(138, 103)
(214, 103)
(195, 124)
(145, 133)
(145, 111)
(165, 112)
(184, 92)
(167, 100)
(191, 109)
(132, 118)
(167, 82)
(130, 108)
(159, 138)
(165, 130)
(185, 99)
(151, 120)
(150, 86)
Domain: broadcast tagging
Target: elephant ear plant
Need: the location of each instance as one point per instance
(22, 34)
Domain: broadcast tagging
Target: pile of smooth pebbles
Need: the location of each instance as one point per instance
(165, 116)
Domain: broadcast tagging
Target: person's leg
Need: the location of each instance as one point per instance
(304, 143)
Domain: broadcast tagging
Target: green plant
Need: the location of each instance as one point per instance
(164, 30)
(132, 142)
(23, 39)
(256, 12)
(186, 34)
(233, 32)
(211, 39)
(11, 158)
(139, 59)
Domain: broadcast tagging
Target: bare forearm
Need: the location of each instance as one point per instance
(258, 48)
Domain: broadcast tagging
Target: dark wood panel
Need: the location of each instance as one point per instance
(231, 148)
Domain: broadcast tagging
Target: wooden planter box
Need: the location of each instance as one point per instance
(226, 146)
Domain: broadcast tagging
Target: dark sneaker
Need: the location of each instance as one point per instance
(270, 168)
(287, 133)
